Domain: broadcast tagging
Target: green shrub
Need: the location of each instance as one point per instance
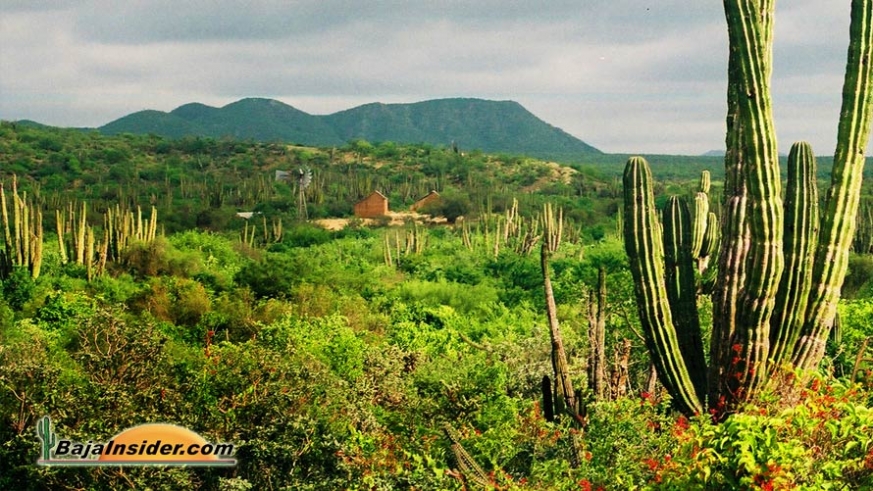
(822, 440)
(273, 276)
(304, 235)
(18, 288)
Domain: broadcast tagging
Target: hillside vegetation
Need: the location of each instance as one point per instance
(406, 357)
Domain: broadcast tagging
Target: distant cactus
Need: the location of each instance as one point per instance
(22, 235)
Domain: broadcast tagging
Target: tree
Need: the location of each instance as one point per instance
(762, 318)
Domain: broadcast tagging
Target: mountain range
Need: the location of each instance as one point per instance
(490, 126)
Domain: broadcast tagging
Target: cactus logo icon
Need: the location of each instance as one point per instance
(148, 444)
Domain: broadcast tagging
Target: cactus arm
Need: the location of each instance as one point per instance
(25, 232)
(682, 289)
(698, 223)
(7, 235)
(646, 257)
(80, 237)
(838, 225)
(36, 244)
(799, 241)
(709, 247)
(705, 182)
(59, 224)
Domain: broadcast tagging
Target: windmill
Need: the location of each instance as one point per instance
(304, 179)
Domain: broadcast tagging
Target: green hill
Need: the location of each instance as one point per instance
(261, 119)
(474, 124)
(153, 122)
(491, 126)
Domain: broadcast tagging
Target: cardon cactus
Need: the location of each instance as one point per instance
(777, 284)
(642, 239)
(682, 287)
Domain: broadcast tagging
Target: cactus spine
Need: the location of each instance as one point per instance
(759, 318)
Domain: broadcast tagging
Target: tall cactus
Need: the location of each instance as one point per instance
(838, 225)
(800, 241)
(642, 240)
(682, 287)
(769, 305)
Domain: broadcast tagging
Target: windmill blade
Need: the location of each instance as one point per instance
(304, 177)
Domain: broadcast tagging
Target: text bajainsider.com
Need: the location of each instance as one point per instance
(90, 450)
(147, 444)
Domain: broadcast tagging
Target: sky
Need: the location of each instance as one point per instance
(626, 76)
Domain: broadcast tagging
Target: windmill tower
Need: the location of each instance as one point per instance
(304, 178)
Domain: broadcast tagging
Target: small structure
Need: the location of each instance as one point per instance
(431, 197)
(282, 175)
(247, 214)
(373, 206)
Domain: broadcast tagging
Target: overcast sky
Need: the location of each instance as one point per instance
(627, 76)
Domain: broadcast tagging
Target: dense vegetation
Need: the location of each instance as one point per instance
(406, 357)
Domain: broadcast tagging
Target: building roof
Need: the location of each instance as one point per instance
(371, 194)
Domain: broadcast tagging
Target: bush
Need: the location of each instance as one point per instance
(813, 444)
(274, 276)
(159, 257)
(451, 205)
(303, 236)
(18, 288)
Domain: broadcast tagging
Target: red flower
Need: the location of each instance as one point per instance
(652, 463)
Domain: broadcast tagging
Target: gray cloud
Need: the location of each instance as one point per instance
(623, 75)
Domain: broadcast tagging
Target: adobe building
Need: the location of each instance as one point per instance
(431, 197)
(373, 206)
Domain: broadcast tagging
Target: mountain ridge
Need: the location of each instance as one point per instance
(481, 124)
